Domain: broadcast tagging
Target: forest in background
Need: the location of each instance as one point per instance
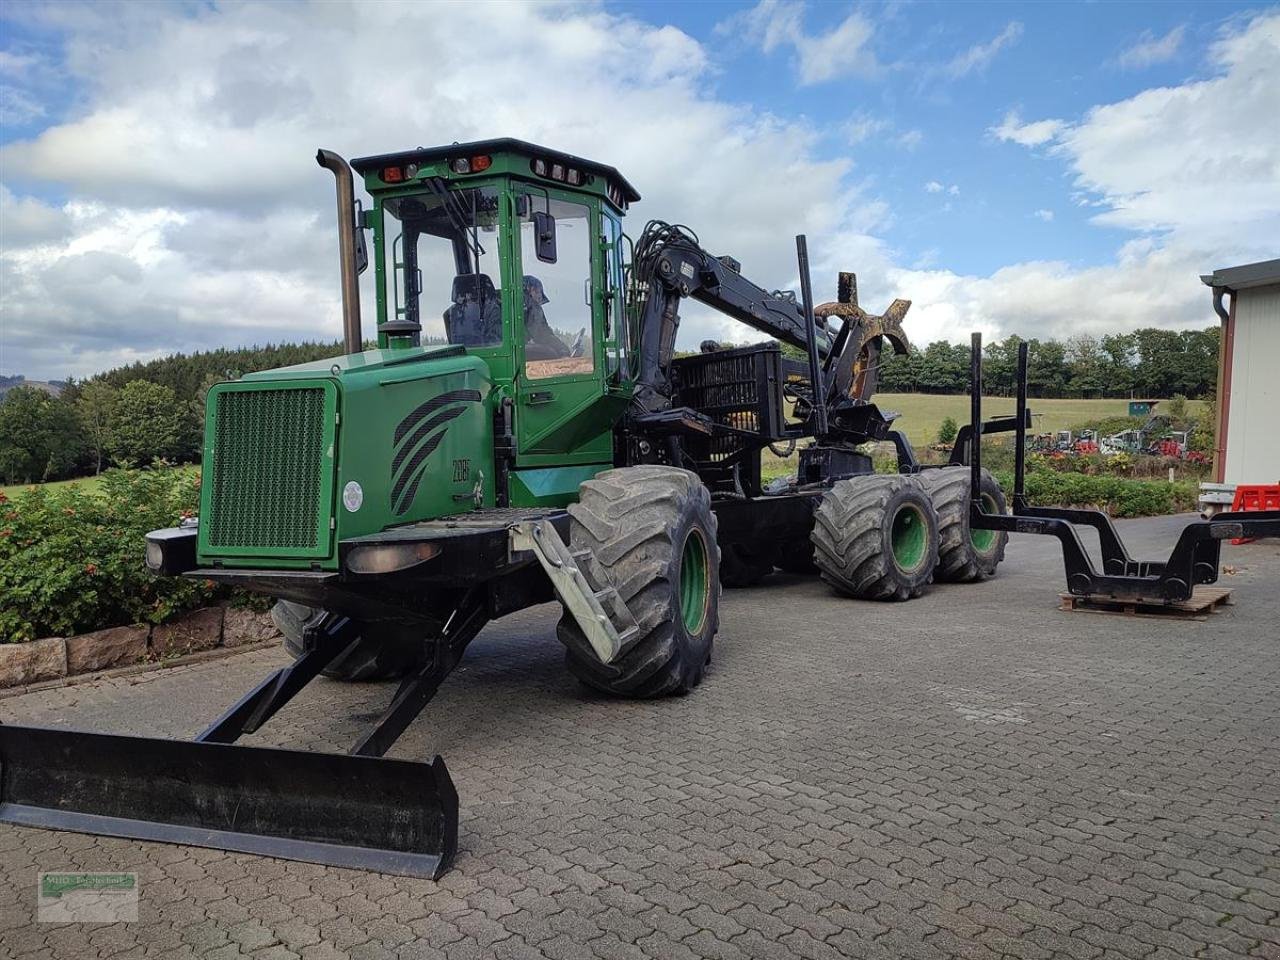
(133, 415)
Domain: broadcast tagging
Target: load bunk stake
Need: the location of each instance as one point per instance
(1195, 555)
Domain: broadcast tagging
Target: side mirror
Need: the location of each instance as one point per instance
(361, 250)
(544, 232)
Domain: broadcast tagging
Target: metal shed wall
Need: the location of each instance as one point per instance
(1253, 428)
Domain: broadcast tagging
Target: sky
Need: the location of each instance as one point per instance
(1050, 169)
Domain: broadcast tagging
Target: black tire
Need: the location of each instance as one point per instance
(646, 527)
(381, 655)
(962, 557)
(854, 533)
(741, 566)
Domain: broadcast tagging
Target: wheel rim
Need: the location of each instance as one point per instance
(983, 539)
(695, 582)
(908, 536)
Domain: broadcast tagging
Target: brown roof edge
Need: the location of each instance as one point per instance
(1260, 274)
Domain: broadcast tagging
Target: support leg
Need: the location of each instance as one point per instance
(334, 640)
(416, 690)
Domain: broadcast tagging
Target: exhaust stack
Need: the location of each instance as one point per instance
(353, 341)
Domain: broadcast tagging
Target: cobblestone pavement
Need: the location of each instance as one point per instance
(974, 774)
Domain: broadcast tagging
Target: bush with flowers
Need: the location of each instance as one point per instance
(71, 558)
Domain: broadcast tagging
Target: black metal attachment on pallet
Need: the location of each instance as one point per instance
(816, 381)
(975, 421)
(1193, 560)
(1020, 437)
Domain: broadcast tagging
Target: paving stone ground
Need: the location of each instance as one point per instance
(974, 774)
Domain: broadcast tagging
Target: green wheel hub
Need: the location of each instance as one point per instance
(983, 539)
(695, 582)
(907, 538)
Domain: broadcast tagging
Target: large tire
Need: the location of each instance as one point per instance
(652, 536)
(876, 537)
(741, 566)
(964, 555)
(380, 655)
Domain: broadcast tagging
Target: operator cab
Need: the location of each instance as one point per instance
(508, 249)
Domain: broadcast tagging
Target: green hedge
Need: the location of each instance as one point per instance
(71, 559)
(1120, 496)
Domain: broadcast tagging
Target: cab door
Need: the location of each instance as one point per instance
(563, 416)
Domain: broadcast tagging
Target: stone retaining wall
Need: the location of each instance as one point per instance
(54, 657)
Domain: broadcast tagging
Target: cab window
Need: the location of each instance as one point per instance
(441, 264)
(556, 297)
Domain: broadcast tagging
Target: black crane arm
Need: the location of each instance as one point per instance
(669, 265)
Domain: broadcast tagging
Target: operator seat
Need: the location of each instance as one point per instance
(475, 316)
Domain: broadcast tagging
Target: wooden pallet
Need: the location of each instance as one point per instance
(1204, 601)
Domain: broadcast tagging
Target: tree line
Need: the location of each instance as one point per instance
(133, 415)
(1149, 363)
(128, 416)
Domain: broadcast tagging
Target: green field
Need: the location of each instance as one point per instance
(88, 484)
(923, 413)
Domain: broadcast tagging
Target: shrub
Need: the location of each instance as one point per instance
(1119, 496)
(71, 559)
(947, 431)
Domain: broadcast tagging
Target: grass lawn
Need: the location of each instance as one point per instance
(921, 414)
(88, 484)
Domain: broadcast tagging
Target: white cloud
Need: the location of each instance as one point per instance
(1045, 215)
(910, 139)
(197, 216)
(1151, 49)
(842, 51)
(18, 107)
(26, 221)
(862, 128)
(1193, 171)
(978, 57)
(933, 186)
(197, 198)
(1033, 134)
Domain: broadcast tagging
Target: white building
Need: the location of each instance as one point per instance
(1247, 448)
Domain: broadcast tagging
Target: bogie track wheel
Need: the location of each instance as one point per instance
(876, 537)
(964, 555)
(650, 533)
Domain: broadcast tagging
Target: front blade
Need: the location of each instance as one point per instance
(392, 816)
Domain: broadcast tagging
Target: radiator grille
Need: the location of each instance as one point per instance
(269, 468)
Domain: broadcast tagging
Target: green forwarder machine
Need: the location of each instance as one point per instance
(522, 432)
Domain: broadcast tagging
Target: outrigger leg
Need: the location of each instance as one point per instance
(360, 810)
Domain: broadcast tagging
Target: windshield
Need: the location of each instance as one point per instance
(441, 258)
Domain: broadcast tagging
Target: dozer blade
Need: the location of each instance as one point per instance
(392, 816)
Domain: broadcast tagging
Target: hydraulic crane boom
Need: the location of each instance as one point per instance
(670, 264)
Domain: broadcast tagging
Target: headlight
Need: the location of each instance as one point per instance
(390, 557)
